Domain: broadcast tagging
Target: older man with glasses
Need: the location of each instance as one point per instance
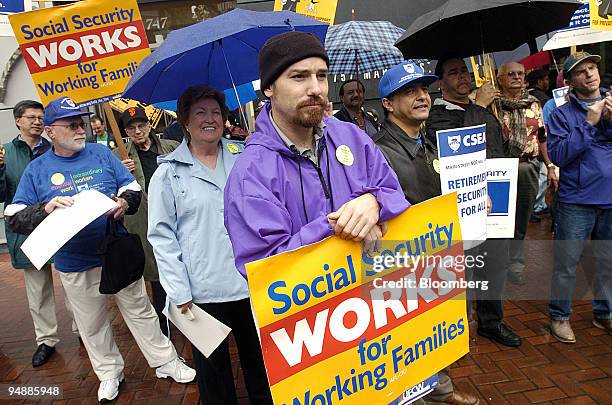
(143, 150)
(524, 128)
(14, 158)
(50, 183)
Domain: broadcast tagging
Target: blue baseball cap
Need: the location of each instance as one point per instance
(401, 75)
(63, 107)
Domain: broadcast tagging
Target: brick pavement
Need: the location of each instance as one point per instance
(542, 370)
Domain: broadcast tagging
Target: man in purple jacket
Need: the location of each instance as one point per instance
(302, 178)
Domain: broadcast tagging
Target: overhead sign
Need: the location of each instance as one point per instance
(338, 327)
(321, 10)
(601, 15)
(8, 7)
(580, 19)
(87, 50)
(580, 30)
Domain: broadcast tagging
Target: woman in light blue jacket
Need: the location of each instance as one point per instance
(193, 250)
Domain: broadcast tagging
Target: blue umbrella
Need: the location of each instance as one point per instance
(221, 51)
(246, 93)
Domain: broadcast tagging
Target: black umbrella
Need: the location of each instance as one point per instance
(471, 27)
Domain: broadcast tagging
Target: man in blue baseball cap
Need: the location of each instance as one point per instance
(49, 183)
(406, 104)
(404, 90)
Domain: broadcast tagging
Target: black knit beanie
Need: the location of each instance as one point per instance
(283, 50)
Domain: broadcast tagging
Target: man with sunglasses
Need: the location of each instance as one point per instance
(49, 183)
(14, 158)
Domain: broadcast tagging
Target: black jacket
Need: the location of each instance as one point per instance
(540, 95)
(344, 115)
(445, 115)
(413, 163)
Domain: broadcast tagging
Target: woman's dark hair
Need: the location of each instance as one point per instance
(191, 96)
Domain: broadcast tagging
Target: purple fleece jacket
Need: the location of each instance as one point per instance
(273, 204)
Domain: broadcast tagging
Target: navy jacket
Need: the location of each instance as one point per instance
(583, 153)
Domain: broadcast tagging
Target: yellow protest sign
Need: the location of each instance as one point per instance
(601, 14)
(86, 50)
(340, 327)
(322, 10)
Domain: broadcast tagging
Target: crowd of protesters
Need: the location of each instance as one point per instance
(208, 205)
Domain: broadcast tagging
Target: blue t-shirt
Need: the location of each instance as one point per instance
(95, 167)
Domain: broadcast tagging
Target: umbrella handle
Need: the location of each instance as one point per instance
(234, 87)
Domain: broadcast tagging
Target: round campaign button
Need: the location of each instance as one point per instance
(344, 155)
(436, 165)
(57, 179)
(232, 147)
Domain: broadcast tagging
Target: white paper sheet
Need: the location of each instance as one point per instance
(204, 331)
(62, 224)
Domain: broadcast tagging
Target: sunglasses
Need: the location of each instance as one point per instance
(73, 125)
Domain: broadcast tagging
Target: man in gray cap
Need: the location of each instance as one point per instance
(580, 143)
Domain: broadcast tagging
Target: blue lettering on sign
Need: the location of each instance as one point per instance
(12, 6)
(461, 141)
(418, 391)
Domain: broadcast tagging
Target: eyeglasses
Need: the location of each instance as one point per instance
(518, 73)
(73, 125)
(140, 127)
(32, 118)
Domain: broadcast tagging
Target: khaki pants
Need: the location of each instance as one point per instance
(41, 301)
(91, 315)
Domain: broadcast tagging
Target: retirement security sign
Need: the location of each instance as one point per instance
(341, 327)
(87, 50)
(462, 153)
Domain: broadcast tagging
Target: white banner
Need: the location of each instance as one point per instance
(462, 154)
(502, 175)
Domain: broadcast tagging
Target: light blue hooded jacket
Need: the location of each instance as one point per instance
(192, 248)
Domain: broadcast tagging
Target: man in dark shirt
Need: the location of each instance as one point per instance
(143, 149)
(15, 156)
(455, 110)
(352, 96)
(539, 82)
(406, 103)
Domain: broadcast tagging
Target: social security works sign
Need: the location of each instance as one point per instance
(87, 50)
(462, 154)
(334, 331)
